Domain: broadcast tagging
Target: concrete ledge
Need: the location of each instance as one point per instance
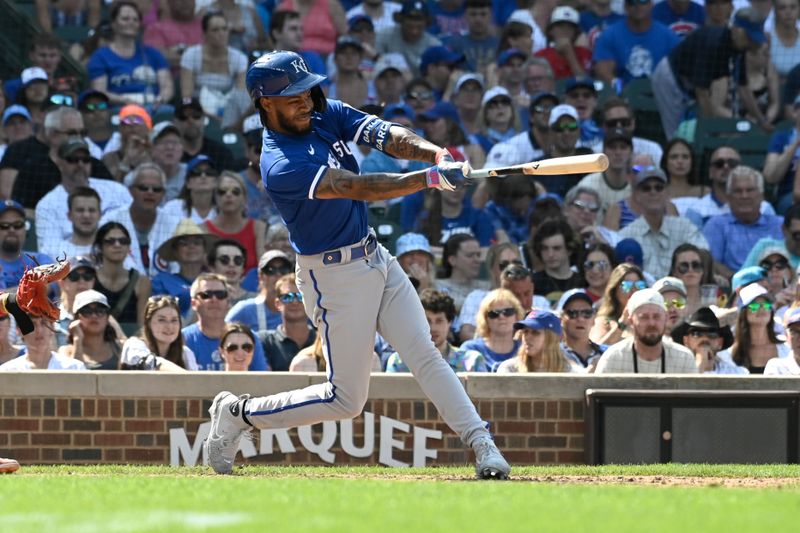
(382, 386)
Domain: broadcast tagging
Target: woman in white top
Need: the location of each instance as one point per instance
(196, 199)
(785, 43)
(40, 354)
(540, 332)
(214, 72)
(160, 346)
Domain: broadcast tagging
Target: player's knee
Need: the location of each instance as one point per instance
(352, 408)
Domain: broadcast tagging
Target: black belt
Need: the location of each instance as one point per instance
(356, 252)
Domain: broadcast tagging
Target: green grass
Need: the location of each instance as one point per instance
(116, 499)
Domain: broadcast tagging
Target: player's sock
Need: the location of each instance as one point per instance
(239, 409)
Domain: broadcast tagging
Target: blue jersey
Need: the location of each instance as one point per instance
(135, 74)
(206, 350)
(681, 23)
(11, 271)
(293, 165)
(174, 285)
(636, 54)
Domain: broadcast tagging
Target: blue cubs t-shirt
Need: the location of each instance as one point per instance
(11, 271)
(174, 285)
(680, 23)
(293, 165)
(493, 359)
(246, 312)
(635, 54)
(206, 350)
(135, 74)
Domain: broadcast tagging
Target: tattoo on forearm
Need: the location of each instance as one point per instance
(337, 183)
(405, 144)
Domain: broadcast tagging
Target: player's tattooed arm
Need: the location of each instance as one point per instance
(340, 183)
(403, 143)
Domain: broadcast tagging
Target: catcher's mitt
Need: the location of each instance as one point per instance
(31, 298)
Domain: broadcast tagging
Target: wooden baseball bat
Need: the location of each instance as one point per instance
(575, 164)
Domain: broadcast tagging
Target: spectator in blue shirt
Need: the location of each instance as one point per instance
(732, 235)
(680, 16)
(783, 155)
(631, 48)
(260, 313)
(478, 43)
(597, 16)
(209, 294)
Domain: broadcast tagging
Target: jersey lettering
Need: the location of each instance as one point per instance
(299, 65)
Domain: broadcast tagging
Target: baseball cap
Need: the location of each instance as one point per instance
(355, 20)
(564, 14)
(507, 54)
(749, 294)
(268, 256)
(32, 74)
(5, 205)
(135, 111)
(629, 251)
(439, 54)
(562, 110)
(70, 146)
(81, 261)
(752, 23)
(583, 81)
(412, 242)
(391, 61)
(746, 276)
(791, 317)
(670, 283)
(773, 250)
(89, 93)
(163, 128)
(617, 134)
(345, 40)
(539, 320)
(196, 161)
(649, 173)
(469, 76)
(495, 92)
(644, 297)
(412, 8)
(188, 103)
(441, 110)
(541, 95)
(82, 299)
(396, 110)
(572, 294)
(16, 110)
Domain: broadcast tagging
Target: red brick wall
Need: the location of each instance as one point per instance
(100, 430)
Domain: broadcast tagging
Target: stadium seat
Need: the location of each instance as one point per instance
(750, 140)
(73, 34)
(387, 228)
(639, 94)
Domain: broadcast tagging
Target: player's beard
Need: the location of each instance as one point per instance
(286, 125)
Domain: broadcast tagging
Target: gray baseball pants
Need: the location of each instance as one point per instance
(347, 301)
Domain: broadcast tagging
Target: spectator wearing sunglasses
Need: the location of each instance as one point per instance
(95, 108)
(81, 277)
(610, 324)
(27, 171)
(674, 293)
(779, 281)
(755, 341)
(94, 338)
(75, 165)
(788, 365)
(259, 204)
(131, 146)
(13, 234)
(260, 312)
(694, 267)
(236, 347)
(790, 243)
(160, 345)
(196, 198)
(731, 236)
(227, 258)
(231, 220)
(539, 351)
(565, 137)
(190, 123)
(148, 224)
(658, 232)
(577, 316)
(209, 293)
(647, 351)
(595, 266)
(188, 247)
(294, 333)
(704, 336)
(617, 113)
(494, 334)
(518, 279)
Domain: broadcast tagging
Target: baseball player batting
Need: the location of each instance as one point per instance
(351, 285)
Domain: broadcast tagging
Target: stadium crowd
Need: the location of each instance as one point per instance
(147, 178)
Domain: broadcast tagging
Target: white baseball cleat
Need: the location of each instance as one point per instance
(489, 462)
(227, 429)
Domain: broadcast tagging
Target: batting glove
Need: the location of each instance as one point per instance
(448, 174)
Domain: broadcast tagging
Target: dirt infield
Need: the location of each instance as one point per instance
(674, 481)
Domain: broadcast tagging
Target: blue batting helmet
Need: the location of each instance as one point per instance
(280, 73)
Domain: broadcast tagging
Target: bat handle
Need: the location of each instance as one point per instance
(482, 173)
